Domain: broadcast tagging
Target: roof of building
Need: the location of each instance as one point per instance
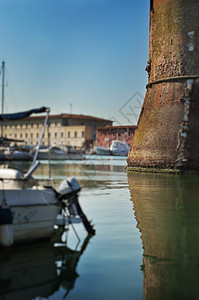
(69, 116)
(117, 127)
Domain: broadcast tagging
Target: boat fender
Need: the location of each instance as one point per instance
(6, 229)
(5, 216)
(6, 235)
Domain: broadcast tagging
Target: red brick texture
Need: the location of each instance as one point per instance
(167, 134)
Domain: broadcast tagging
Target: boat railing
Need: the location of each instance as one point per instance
(41, 138)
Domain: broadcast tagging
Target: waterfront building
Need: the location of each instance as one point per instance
(105, 135)
(71, 130)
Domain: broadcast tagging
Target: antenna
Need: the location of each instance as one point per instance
(2, 93)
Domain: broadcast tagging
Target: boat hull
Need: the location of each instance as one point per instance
(119, 153)
(19, 155)
(15, 155)
(58, 156)
(102, 151)
(119, 148)
(34, 215)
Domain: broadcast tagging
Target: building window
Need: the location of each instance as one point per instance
(37, 134)
(49, 134)
(15, 135)
(55, 134)
(26, 135)
(31, 135)
(83, 133)
(75, 134)
(56, 124)
(62, 134)
(21, 135)
(21, 125)
(37, 125)
(68, 134)
(31, 125)
(26, 125)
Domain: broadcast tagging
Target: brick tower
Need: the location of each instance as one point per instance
(168, 127)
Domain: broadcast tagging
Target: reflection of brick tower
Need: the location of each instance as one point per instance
(168, 126)
(167, 218)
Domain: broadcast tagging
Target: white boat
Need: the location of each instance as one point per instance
(119, 148)
(29, 211)
(10, 153)
(56, 153)
(16, 154)
(102, 151)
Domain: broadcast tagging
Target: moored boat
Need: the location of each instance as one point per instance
(119, 148)
(6, 151)
(56, 153)
(28, 210)
(16, 154)
(102, 151)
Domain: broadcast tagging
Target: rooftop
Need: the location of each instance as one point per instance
(69, 116)
(117, 127)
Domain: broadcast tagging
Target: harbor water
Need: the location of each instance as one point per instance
(146, 244)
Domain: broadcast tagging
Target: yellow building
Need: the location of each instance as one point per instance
(75, 131)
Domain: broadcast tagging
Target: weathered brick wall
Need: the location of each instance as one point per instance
(167, 134)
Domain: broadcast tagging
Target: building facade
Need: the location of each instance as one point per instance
(105, 135)
(75, 131)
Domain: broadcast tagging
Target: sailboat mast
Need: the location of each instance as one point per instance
(2, 93)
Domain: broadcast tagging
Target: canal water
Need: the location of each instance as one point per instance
(146, 244)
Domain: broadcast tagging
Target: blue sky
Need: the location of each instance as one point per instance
(88, 53)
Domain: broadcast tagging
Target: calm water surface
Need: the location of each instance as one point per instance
(146, 244)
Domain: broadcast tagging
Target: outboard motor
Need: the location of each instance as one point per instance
(68, 190)
(68, 194)
(69, 186)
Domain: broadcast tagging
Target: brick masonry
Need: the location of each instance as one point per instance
(168, 126)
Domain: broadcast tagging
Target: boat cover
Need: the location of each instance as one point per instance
(24, 114)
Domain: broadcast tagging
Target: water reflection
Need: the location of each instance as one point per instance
(87, 174)
(38, 270)
(69, 167)
(167, 213)
(78, 168)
